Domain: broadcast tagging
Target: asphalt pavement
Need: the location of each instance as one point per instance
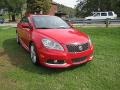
(9, 24)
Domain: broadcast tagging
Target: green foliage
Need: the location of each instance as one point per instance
(14, 7)
(38, 5)
(85, 7)
(2, 4)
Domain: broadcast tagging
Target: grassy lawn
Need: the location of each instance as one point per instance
(103, 73)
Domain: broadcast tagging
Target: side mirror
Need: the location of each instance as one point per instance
(26, 25)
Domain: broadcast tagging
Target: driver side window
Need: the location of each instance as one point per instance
(97, 14)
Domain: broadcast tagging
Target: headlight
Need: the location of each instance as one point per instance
(52, 44)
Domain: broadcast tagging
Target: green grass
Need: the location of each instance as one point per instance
(103, 73)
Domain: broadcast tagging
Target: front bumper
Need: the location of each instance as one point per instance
(70, 59)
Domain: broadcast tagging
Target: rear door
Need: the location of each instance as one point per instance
(104, 15)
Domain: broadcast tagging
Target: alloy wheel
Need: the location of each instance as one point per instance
(33, 54)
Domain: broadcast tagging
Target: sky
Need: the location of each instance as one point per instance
(69, 3)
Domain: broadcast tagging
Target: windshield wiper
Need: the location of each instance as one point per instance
(62, 27)
(43, 28)
(52, 28)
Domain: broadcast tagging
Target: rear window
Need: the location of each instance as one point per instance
(110, 13)
(103, 14)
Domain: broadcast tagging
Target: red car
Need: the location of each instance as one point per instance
(52, 42)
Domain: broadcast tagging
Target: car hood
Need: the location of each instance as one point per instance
(65, 36)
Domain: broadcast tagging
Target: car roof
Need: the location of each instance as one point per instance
(103, 12)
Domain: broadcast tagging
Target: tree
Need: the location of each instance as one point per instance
(2, 4)
(38, 6)
(14, 6)
(85, 7)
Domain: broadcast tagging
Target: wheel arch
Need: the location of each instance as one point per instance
(30, 43)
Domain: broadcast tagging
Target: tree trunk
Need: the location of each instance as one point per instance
(21, 15)
(9, 16)
(13, 17)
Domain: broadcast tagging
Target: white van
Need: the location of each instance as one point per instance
(102, 15)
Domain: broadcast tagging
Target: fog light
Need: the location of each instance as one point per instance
(55, 61)
(91, 57)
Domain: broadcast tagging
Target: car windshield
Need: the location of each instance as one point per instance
(49, 22)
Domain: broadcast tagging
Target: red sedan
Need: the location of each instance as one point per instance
(52, 42)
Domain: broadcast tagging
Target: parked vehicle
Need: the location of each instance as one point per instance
(1, 20)
(52, 42)
(102, 15)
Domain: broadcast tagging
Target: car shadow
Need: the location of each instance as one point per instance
(20, 58)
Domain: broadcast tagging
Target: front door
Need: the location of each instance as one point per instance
(25, 33)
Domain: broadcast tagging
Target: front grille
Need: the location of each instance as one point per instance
(78, 47)
(77, 60)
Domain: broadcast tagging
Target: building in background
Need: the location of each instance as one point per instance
(53, 9)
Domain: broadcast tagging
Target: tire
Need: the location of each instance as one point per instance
(17, 39)
(89, 21)
(33, 54)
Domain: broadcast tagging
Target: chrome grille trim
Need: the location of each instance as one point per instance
(75, 48)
